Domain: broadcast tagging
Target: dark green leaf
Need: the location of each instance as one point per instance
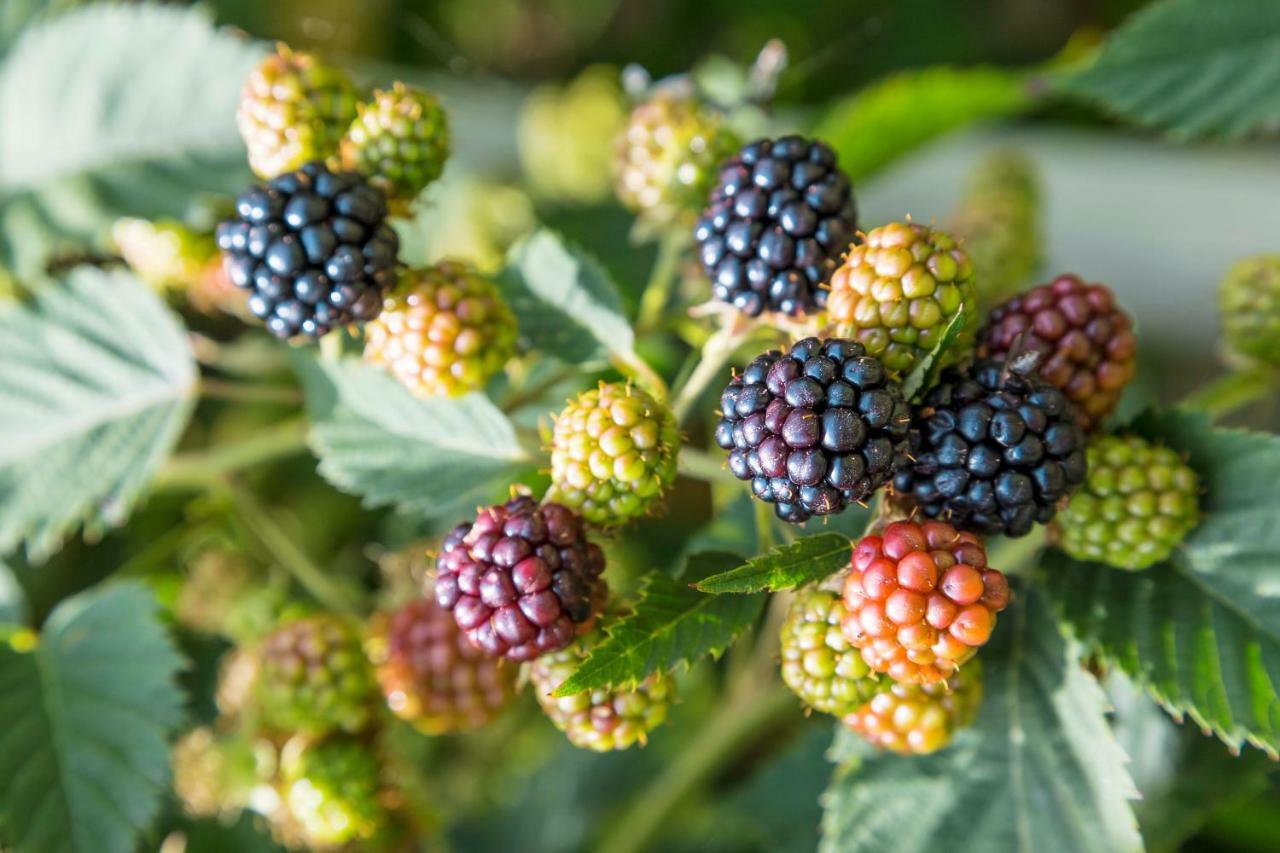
(97, 386)
(669, 624)
(803, 561)
(376, 440)
(1039, 770)
(925, 373)
(84, 719)
(891, 118)
(1191, 67)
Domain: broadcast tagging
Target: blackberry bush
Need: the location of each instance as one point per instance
(921, 600)
(313, 249)
(813, 429)
(522, 579)
(1249, 299)
(443, 331)
(778, 222)
(613, 454)
(400, 141)
(313, 677)
(1136, 506)
(916, 719)
(993, 451)
(898, 289)
(1085, 341)
(818, 662)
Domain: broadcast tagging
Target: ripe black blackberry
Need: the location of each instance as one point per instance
(993, 449)
(313, 249)
(779, 221)
(814, 429)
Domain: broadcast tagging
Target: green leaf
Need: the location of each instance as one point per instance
(890, 118)
(84, 719)
(103, 134)
(1038, 771)
(377, 440)
(803, 561)
(97, 386)
(1192, 68)
(1201, 632)
(13, 598)
(925, 373)
(567, 304)
(669, 624)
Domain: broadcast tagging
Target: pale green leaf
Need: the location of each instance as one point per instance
(669, 624)
(96, 385)
(13, 598)
(377, 440)
(803, 561)
(1039, 771)
(566, 303)
(84, 719)
(890, 118)
(1191, 67)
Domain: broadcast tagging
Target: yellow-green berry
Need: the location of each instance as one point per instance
(1250, 304)
(313, 677)
(164, 253)
(331, 791)
(400, 141)
(818, 663)
(565, 136)
(916, 719)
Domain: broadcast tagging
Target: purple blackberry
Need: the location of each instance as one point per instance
(778, 223)
(522, 579)
(814, 429)
(993, 449)
(313, 249)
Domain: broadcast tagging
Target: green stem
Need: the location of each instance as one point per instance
(534, 391)
(258, 520)
(718, 349)
(662, 279)
(202, 468)
(1234, 391)
(638, 369)
(248, 392)
(701, 465)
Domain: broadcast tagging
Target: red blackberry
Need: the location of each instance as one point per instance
(313, 249)
(779, 220)
(993, 450)
(814, 429)
(522, 579)
(1085, 341)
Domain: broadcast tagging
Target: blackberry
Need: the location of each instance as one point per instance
(818, 663)
(1136, 506)
(400, 141)
(294, 108)
(613, 453)
(565, 135)
(916, 719)
(331, 791)
(443, 331)
(998, 223)
(165, 254)
(313, 249)
(991, 452)
(313, 677)
(1085, 341)
(430, 673)
(1249, 298)
(814, 429)
(522, 579)
(921, 600)
(212, 775)
(779, 220)
(898, 289)
(604, 719)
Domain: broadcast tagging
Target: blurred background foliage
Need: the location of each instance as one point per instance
(1158, 221)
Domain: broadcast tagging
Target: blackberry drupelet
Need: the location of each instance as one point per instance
(993, 451)
(522, 579)
(1085, 341)
(778, 222)
(916, 719)
(313, 249)
(818, 662)
(814, 429)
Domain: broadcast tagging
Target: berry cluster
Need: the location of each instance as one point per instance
(813, 429)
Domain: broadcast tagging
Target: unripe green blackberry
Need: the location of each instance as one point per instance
(444, 331)
(998, 224)
(164, 253)
(331, 790)
(1250, 304)
(314, 678)
(898, 289)
(212, 775)
(400, 141)
(1137, 504)
(294, 109)
(613, 453)
(666, 157)
(565, 134)
(915, 719)
(606, 718)
(818, 663)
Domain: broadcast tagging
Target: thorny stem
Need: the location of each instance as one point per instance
(199, 469)
(1234, 391)
(662, 279)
